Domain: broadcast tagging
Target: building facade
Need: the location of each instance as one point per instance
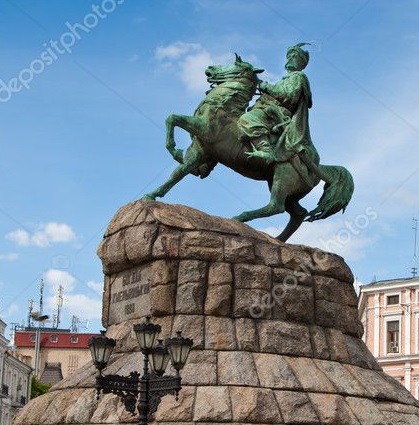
(52, 353)
(389, 311)
(15, 378)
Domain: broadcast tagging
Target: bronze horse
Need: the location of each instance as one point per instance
(215, 139)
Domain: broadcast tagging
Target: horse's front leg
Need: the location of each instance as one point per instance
(191, 124)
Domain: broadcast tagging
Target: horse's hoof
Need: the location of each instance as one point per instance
(148, 197)
(178, 156)
(238, 218)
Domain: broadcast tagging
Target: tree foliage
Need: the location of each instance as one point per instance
(38, 388)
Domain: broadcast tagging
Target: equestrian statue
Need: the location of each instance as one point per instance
(269, 141)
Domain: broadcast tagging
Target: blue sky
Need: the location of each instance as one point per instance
(82, 114)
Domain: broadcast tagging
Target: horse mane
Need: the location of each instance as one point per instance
(223, 94)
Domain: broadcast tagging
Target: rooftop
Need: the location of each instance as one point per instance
(52, 338)
(406, 281)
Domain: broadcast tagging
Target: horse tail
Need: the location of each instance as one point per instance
(337, 192)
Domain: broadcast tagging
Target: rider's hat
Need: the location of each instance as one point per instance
(303, 55)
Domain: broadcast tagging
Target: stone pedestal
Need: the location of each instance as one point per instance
(276, 333)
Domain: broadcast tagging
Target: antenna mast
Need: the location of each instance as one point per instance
(41, 298)
(30, 311)
(76, 324)
(59, 305)
(415, 228)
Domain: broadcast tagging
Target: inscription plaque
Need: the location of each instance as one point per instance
(129, 294)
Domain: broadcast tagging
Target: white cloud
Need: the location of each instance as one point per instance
(55, 232)
(46, 234)
(20, 237)
(55, 278)
(74, 303)
(79, 305)
(12, 256)
(96, 286)
(348, 237)
(190, 61)
(176, 50)
(192, 70)
(83, 306)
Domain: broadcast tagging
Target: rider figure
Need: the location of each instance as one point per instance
(277, 124)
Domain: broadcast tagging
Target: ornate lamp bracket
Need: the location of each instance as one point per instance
(142, 392)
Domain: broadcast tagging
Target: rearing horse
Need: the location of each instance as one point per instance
(215, 139)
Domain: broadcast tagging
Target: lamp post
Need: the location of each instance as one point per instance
(142, 392)
(40, 319)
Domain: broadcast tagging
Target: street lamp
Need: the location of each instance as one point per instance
(40, 319)
(142, 392)
(101, 349)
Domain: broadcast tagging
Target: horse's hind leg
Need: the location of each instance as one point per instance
(297, 214)
(276, 203)
(274, 207)
(193, 159)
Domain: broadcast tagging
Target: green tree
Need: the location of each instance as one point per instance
(38, 388)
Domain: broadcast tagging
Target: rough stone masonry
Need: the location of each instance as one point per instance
(276, 333)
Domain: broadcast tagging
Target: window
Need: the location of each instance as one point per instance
(73, 363)
(53, 338)
(393, 300)
(74, 339)
(393, 336)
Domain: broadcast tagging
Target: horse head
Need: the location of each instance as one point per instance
(218, 74)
